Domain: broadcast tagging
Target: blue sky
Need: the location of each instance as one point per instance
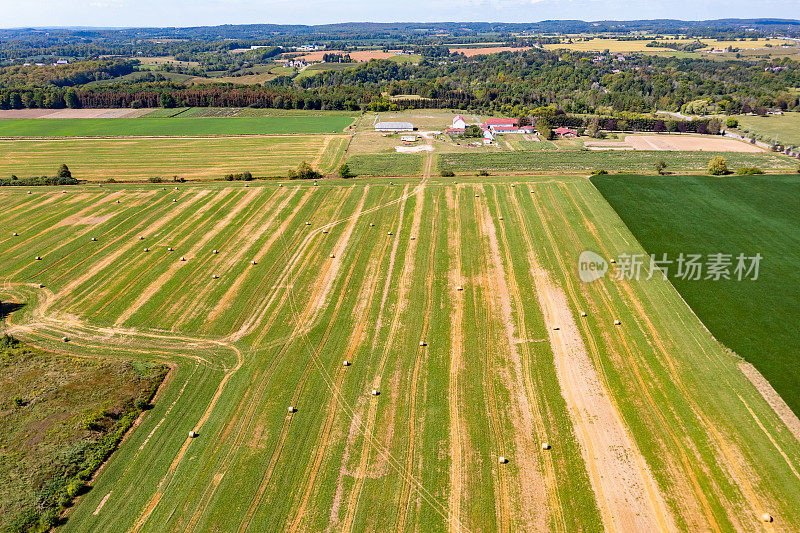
(211, 12)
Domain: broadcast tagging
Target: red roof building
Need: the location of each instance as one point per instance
(501, 122)
(565, 132)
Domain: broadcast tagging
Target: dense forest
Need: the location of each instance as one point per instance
(506, 82)
(99, 62)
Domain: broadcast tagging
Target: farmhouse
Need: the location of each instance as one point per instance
(394, 127)
(565, 132)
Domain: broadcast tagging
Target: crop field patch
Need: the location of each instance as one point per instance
(191, 158)
(575, 161)
(486, 385)
(675, 143)
(385, 164)
(72, 113)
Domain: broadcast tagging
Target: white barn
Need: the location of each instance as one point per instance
(394, 126)
(459, 122)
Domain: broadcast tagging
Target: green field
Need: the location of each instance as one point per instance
(143, 158)
(88, 127)
(581, 161)
(459, 303)
(783, 129)
(386, 164)
(704, 215)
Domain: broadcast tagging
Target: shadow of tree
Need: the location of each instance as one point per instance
(6, 308)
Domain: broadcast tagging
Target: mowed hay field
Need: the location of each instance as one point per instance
(581, 161)
(650, 423)
(705, 215)
(191, 158)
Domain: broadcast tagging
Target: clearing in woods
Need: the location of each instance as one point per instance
(444, 298)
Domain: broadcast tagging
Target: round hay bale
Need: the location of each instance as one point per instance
(280, 185)
(183, 259)
(583, 313)
(371, 224)
(29, 192)
(117, 201)
(214, 252)
(16, 234)
(253, 262)
(38, 258)
(324, 231)
(477, 195)
(613, 261)
(65, 339)
(308, 223)
(501, 218)
(246, 184)
(214, 276)
(174, 200)
(176, 188)
(147, 249)
(94, 239)
(413, 238)
(389, 233)
(63, 192)
(766, 517)
(192, 434)
(333, 255)
(459, 288)
(513, 185)
(41, 285)
(617, 322)
(422, 343)
(375, 392)
(345, 363)
(502, 460)
(556, 328)
(545, 446)
(141, 238)
(170, 249)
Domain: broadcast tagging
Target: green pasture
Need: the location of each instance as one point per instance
(782, 129)
(88, 127)
(732, 215)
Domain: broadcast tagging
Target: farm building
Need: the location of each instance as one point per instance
(394, 127)
(505, 125)
(504, 129)
(409, 138)
(459, 123)
(565, 132)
